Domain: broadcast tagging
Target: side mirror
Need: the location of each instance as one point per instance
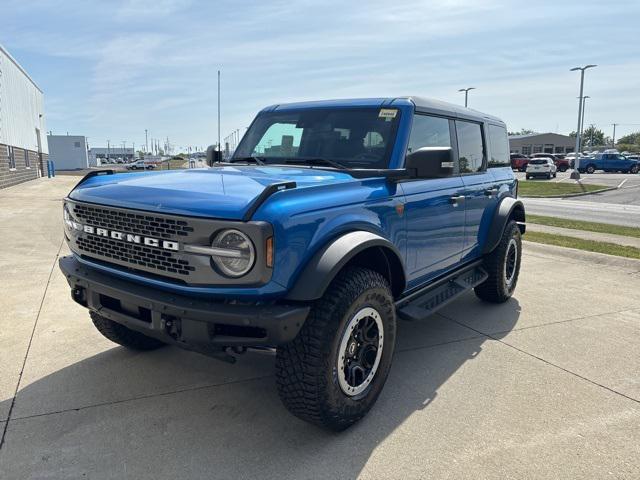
(213, 155)
(430, 162)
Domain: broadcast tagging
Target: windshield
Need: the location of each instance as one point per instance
(350, 137)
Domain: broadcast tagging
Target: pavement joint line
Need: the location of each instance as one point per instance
(222, 384)
(145, 397)
(568, 320)
(26, 354)
(551, 364)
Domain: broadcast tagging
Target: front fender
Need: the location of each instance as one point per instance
(329, 260)
(509, 208)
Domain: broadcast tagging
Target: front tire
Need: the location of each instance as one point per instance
(591, 169)
(503, 267)
(124, 336)
(332, 373)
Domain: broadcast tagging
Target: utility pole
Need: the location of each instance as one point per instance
(146, 141)
(219, 145)
(108, 151)
(575, 175)
(613, 143)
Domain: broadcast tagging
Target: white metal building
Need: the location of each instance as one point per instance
(68, 152)
(22, 125)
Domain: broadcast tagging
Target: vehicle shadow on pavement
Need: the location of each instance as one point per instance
(170, 412)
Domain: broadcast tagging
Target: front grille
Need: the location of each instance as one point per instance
(130, 222)
(133, 254)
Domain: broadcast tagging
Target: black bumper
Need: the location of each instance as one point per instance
(190, 323)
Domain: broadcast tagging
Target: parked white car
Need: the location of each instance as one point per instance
(541, 167)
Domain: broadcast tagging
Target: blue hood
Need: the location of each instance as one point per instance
(220, 192)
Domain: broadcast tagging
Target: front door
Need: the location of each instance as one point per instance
(434, 210)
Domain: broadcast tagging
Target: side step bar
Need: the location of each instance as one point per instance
(423, 303)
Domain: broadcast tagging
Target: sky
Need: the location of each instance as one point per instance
(112, 69)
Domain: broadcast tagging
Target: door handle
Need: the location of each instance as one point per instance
(455, 200)
(490, 192)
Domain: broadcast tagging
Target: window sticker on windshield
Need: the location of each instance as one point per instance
(387, 113)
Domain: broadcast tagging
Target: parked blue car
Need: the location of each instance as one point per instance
(609, 162)
(331, 220)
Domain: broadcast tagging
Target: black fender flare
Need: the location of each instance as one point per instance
(336, 254)
(508, 208)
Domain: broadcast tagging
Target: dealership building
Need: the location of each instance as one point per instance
(541, 143)
(23, 151)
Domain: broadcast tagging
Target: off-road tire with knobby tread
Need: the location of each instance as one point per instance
(306, 368)
(124, 336)
(495, 289)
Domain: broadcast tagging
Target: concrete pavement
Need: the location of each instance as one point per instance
(617, 214)
(543, 386)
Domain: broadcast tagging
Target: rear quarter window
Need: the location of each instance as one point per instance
(499, 143)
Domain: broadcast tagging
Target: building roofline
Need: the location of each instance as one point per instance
(24, 72)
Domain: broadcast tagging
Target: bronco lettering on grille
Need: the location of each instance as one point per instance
(123, 237)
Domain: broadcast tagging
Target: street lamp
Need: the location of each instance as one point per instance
(584, 101)
(466, 94)
(575, 175)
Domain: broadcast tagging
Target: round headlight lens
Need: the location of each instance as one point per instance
(241, 254)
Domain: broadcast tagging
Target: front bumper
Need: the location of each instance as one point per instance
(191, 323)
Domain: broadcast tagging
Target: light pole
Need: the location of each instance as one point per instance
(575, 175)
(584, 101)
(219, 145)
(466, 94)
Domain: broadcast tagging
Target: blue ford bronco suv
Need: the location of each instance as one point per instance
(330, 221)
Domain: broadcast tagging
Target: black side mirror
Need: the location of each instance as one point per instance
(430, 162)
(213, 155)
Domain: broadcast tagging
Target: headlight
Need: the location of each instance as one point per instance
(233, 253)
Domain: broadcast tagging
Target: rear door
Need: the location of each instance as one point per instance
(480, 186)
(434, 209)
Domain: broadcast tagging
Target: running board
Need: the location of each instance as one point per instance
(424, 303)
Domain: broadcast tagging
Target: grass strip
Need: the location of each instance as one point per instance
(544, 189)
(580, 244)
(582, 225)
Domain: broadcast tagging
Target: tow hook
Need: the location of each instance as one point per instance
(171, 325)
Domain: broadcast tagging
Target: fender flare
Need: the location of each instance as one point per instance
(330, 259)
(508, 208)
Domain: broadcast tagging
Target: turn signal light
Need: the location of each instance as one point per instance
(270, 252)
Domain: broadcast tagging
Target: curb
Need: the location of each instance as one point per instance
(572, 194)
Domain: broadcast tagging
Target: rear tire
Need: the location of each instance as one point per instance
(503, 267)
(328, 375)
(634, 169)
(124, 336)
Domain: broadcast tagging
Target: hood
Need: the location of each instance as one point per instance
(219, 192)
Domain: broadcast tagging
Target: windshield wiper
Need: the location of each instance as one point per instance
(318, 161)
(257, 160)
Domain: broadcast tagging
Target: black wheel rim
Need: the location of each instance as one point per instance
(511, 262)
(360, 351)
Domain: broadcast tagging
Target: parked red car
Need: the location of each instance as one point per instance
(519, 162)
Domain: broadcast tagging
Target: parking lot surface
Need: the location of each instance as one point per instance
(546, 385)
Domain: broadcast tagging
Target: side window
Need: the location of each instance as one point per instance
(27, 160)
(280, 140)
(470, 147)
(12, 158)
(499, 147)
(429, 132)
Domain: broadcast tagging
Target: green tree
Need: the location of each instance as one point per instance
(524, 131)
(631, 139)
(592, 136)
